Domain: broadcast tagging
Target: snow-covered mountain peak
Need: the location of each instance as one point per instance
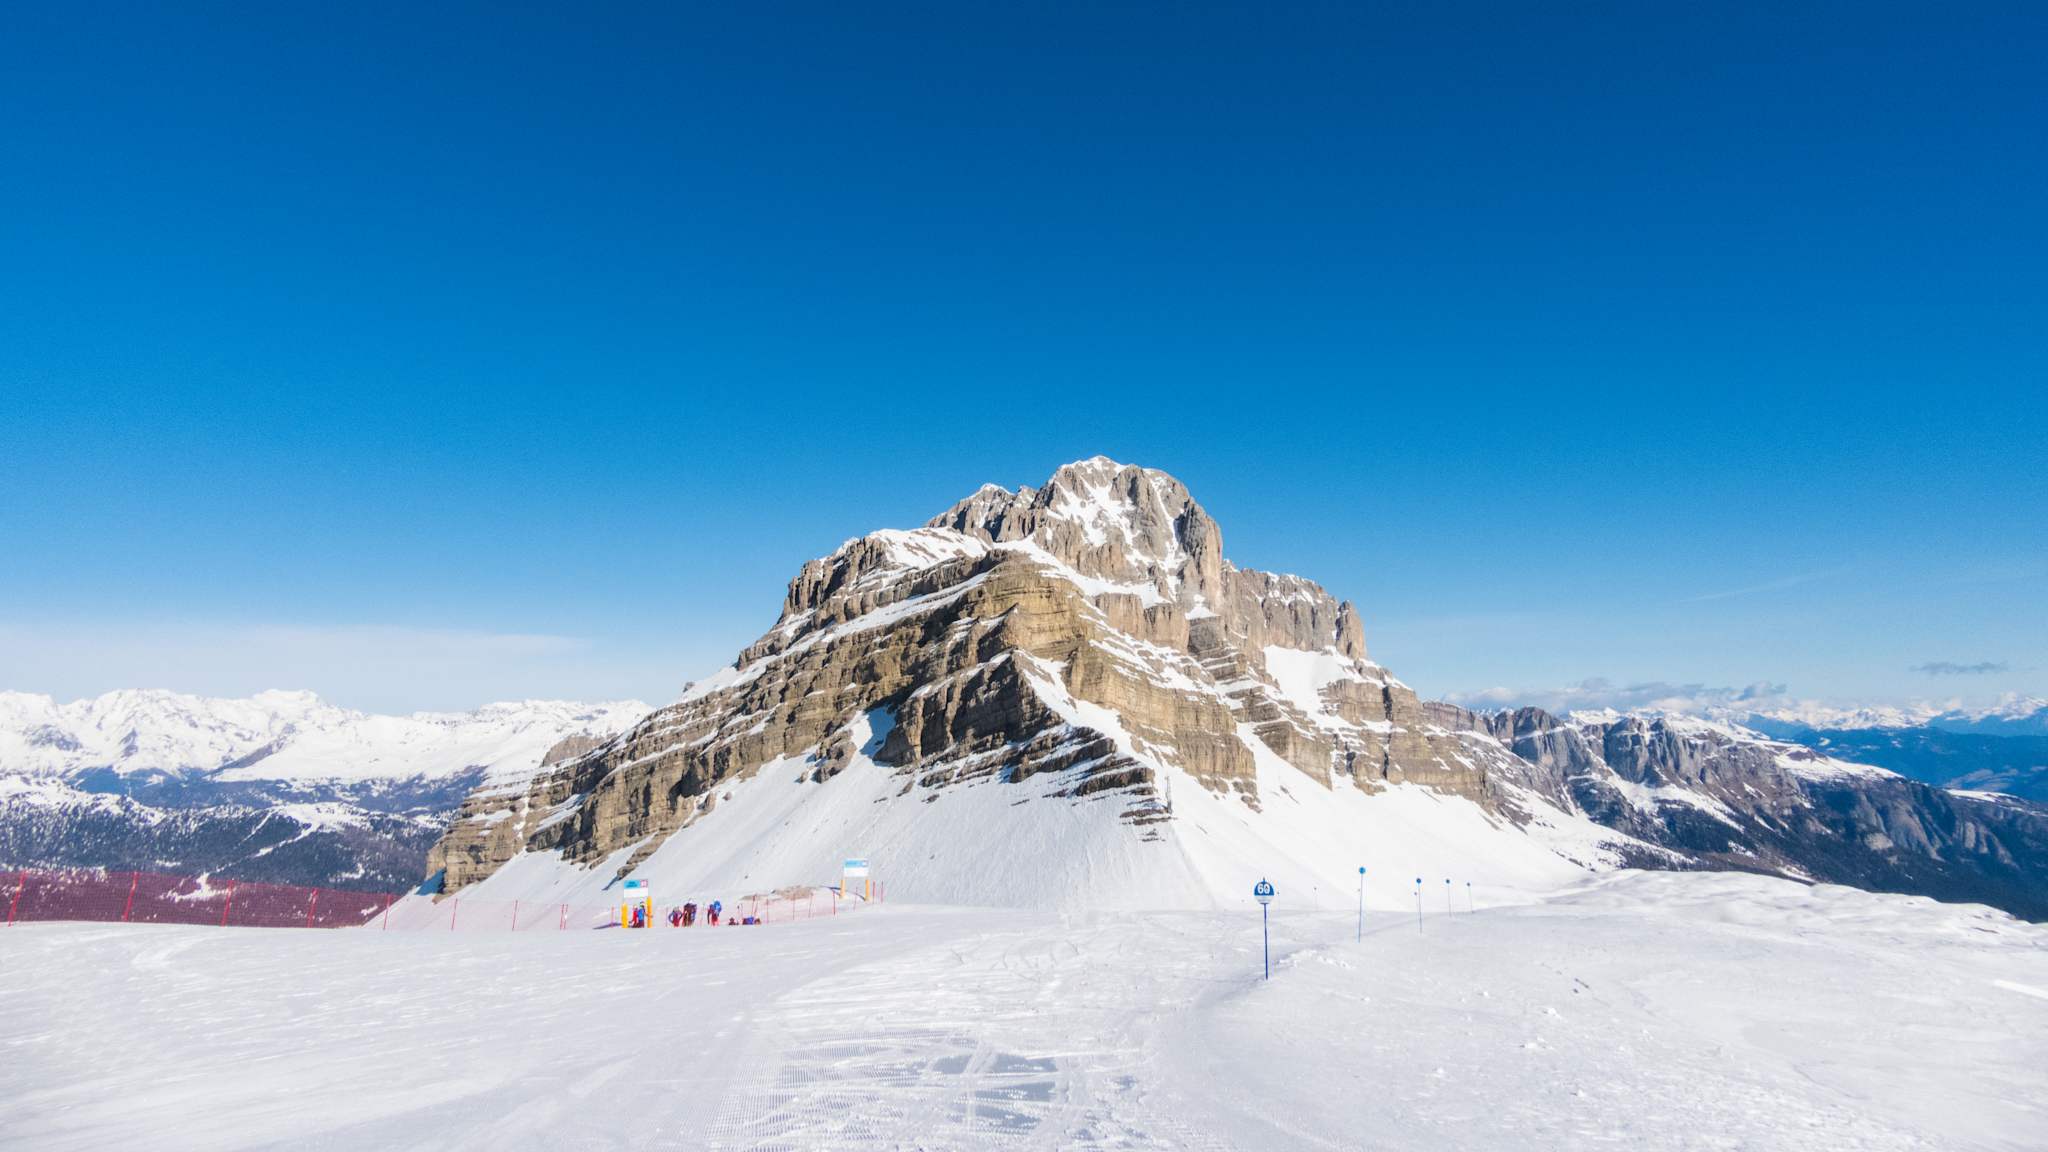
(2013, 714)
(1070, 682)
(282, 734)
(1086, 635)
(1103, 519)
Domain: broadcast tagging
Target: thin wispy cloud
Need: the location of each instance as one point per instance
(1599, 692)
(376, 667)
(1777, 585)
(1952, 668)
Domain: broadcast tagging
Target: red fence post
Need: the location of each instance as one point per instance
(230, 905)
(387, 913)
(312, 906)
(562, 924)
(20, 882)
(515, 915)
(134, 878)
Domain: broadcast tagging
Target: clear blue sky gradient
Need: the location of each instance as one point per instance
(425, 354)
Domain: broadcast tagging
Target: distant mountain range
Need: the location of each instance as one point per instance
(2014, 715)
(2003, 755)
(2002, 748)
(280, 787)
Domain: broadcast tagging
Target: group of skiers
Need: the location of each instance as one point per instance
(683, 916)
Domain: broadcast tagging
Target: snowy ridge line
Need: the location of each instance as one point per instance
(288, 736)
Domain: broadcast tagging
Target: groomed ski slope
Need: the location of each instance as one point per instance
(1640, 1011)
(988, 842)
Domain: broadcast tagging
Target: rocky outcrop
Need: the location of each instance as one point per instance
(1719, 796)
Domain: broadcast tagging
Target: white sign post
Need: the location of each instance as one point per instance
(853, 870)
(1263, 893)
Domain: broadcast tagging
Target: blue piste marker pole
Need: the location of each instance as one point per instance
(1447, 895)
(1418, 904)
(1361, 903)
(1263, 893)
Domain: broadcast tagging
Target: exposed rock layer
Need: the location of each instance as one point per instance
(1090, 632)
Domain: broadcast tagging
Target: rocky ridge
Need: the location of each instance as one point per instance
(1107, 586)
(1089, 637)
(1728, 797)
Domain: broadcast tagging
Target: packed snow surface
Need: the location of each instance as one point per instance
(1641, 1011)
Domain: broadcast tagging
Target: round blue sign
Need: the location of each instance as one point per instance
(1262, 892)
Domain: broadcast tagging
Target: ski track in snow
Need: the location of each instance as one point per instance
(1654, 1011)
(1013, 1039)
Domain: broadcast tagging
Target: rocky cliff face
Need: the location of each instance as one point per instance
(1089, 638)
(977, 638)
(1720, 796)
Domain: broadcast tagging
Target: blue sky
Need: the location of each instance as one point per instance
(429, 354)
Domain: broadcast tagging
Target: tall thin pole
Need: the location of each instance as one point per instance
(1418, 904)
(20, 882)
(1361, 904)
(1266, 936)
(1469, 906)
(1447, 895)
(134, 878)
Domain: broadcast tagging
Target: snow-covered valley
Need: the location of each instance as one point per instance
(1641, 1010)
